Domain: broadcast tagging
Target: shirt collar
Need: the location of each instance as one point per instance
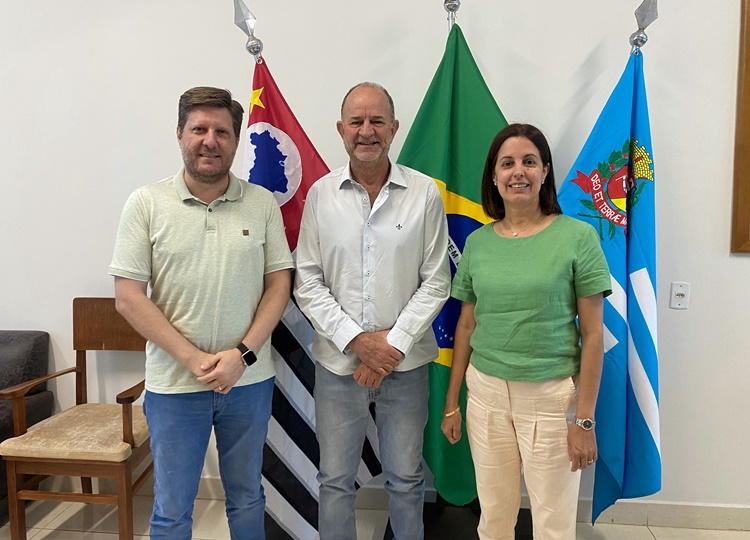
(394, 176)
(233, 192)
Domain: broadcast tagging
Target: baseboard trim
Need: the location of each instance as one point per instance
(624, 512)
(670, 514)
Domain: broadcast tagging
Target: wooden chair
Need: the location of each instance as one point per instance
(87, 440)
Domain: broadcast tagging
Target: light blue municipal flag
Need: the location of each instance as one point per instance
(611, 186)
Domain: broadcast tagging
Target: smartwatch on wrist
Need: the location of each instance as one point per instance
(248, 356)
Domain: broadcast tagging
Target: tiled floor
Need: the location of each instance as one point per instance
(74, 521)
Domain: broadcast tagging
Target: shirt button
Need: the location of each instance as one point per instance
(210, 210)
(364, 199)
(367, 273)
(368, 223)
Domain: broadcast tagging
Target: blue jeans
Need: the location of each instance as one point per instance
(341, 413)
(180, 427)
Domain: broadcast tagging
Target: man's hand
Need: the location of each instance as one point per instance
(222, 370)
(374, 350)
(366, 376)
(196, 362)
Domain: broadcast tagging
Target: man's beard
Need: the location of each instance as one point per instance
(200, 176)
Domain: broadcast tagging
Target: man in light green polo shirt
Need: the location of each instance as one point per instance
(213, 250)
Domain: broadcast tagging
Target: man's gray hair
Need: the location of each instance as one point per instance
(368, 84)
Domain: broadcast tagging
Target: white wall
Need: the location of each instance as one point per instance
(88, 98)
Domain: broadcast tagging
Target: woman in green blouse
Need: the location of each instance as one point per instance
(532, 373)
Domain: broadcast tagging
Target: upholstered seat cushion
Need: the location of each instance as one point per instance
(92, 431)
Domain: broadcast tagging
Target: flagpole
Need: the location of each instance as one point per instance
(645, 14)
(451, 6)
(245, 20)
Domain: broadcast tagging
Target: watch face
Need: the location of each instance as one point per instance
(587, 424)
(249, 358)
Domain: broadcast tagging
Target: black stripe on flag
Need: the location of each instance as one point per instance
(371, 459)
(293, 491)
(273, 530)
(295, 426)
(294, 355)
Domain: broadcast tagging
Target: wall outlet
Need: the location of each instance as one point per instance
(679, 295)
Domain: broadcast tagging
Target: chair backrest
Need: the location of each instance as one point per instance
(97, 326)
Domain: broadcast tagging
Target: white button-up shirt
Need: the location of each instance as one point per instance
(363, 269)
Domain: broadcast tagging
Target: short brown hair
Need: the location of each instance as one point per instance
(492, 202)
(210, 97)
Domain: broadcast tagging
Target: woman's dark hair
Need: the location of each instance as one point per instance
(492, 202)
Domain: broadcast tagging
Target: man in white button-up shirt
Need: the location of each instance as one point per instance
(372, 274)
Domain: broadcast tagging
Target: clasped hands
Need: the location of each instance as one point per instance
(378, 358)
(220, 371)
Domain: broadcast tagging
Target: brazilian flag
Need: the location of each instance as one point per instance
(448, 141)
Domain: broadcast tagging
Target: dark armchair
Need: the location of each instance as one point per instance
(24, 355)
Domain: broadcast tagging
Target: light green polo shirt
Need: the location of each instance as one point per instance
(525, 292)
(205, 265)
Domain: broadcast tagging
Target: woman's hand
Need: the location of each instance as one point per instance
(582, 450)
(451, 427)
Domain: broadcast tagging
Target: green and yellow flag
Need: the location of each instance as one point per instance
(452, 131)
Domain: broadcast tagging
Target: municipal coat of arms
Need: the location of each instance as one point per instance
(615, 186)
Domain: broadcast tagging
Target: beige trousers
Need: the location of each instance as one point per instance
(515, 426)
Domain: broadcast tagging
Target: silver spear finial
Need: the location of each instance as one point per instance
(246, 22)
(645, 14)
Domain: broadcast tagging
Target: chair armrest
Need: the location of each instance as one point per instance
(16, 394)
(21, 389)
(126, 399)
(131, 394)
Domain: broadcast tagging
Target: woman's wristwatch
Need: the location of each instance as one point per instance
(586, 423)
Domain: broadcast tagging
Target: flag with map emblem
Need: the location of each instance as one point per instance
(280, 157)
(278, 154)
(611, 186)
(448, 141)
